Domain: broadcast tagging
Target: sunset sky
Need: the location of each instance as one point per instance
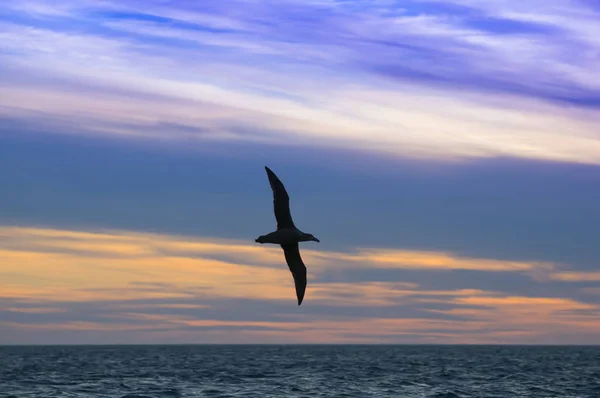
(446, 154)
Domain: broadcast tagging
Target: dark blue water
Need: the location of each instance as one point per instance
(300, 371)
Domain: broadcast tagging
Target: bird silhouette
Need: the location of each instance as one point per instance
(287, 234)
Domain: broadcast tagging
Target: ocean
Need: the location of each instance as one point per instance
(299, 371)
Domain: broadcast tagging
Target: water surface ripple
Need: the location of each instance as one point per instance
(300, 371)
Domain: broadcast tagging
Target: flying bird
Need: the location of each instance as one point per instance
(287, 235)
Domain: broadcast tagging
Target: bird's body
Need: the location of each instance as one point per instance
(287, 235)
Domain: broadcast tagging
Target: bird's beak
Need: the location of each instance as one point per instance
(315, 239)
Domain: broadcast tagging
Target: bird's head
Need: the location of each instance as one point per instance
(310, 237)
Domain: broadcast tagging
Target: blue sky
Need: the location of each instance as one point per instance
(445, 153)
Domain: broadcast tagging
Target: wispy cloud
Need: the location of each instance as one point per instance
(577, 276)
(105, 281)
(419, 79)
(134, 248)
(530, 314)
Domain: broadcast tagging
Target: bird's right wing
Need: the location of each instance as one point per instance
(297, 267)
(281, 202)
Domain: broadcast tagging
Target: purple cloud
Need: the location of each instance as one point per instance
(501, 49)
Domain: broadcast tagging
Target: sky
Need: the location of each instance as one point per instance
(445, 153)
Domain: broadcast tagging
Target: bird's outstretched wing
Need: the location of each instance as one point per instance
(281, 202)
(297, 267)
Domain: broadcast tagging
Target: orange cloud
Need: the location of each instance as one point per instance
(119, 244)
(378, 293)
(576, 276)
(535, 316)
(385, 258)
(518, 302)
(113, 265)
(76, 266)
(61, 268)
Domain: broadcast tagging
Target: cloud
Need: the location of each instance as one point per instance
(310, 74)
(406, 259)
(531, 315)
(150, 284)
(146, 254)
(576, 276)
